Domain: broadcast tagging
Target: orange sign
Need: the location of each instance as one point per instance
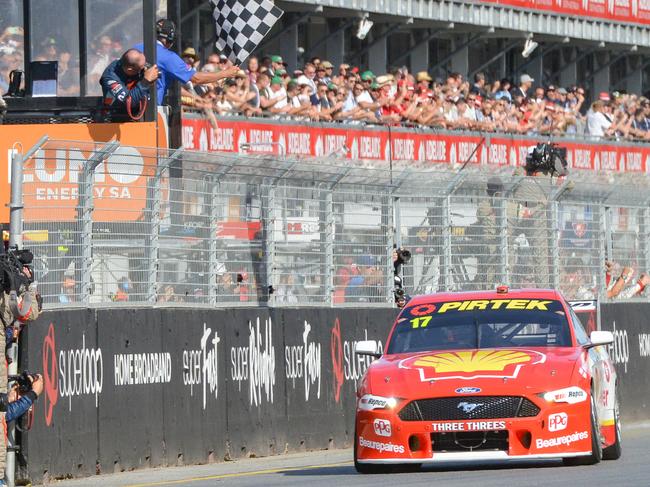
(51, 177)
(472, 364)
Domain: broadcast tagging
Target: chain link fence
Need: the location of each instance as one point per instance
(127, 224)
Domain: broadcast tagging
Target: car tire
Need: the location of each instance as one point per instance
(614, 451)
(367, 468)
(596, 444)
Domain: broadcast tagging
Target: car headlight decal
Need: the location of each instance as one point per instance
(568, 395)
(369, 402)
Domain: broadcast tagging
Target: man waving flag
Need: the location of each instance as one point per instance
(242, 24)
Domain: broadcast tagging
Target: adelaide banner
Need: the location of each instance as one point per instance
(383, 144)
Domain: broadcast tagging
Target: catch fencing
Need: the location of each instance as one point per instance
(109, 222)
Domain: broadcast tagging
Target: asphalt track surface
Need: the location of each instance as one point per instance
(335, 468)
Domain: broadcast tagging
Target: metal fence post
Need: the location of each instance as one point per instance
(556, 231)
(16, 239)
(154, 224)
(16, 198)
(503, 238)
(16, 201)
(555, 244)
(391, 208)
(154, 234)
(447, 264)
(270, 223)
(446, 243)
(85, 214)
(645, 236)
(602, 252)
(330, 228)
(212, 257)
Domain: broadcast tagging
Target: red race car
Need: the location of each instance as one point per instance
(487, 376)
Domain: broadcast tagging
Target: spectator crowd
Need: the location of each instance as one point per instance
(322, 92)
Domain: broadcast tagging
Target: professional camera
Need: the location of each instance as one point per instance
(24, 381)
(547, 158)
(403, 257)
(12, 277)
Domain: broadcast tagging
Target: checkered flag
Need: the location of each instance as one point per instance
(242, 24)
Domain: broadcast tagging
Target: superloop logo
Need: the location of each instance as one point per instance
(69, 373)
(50, 371)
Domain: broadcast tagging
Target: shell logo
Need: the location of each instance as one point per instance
(473, 361)
(472, 364)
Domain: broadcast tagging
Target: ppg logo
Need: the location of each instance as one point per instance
(382, 427)
(558, 422)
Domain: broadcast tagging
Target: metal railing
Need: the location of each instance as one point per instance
(109, 222)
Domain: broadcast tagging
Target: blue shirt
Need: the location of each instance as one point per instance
(171, 68)
(17, 408)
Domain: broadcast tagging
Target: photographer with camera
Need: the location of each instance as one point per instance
(23, 394)
(125, 85)
(19, 303)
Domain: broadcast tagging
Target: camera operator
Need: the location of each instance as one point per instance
(125, 85)
(22, 395)
(19, 303)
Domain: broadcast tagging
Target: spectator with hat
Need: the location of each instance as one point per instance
(328, 69)
(278, 95)
(525, 83)
(277, 64)
(190, 57)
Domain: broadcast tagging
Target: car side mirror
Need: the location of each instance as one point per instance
(367, 347)
(598, 338)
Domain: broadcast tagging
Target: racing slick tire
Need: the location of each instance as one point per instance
(596, 444)
(614, 451)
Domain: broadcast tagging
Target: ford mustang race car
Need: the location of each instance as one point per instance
(487, 376)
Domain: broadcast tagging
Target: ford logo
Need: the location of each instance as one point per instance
(468, 390)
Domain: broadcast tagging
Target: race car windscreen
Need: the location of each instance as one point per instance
(483, 323)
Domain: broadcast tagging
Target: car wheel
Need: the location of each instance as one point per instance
(596, 443)
(614, 451)
(367, 468)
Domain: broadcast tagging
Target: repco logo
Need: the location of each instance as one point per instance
(619, 351)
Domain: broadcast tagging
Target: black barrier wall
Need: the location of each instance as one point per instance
(132, 388)
(630, 352)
